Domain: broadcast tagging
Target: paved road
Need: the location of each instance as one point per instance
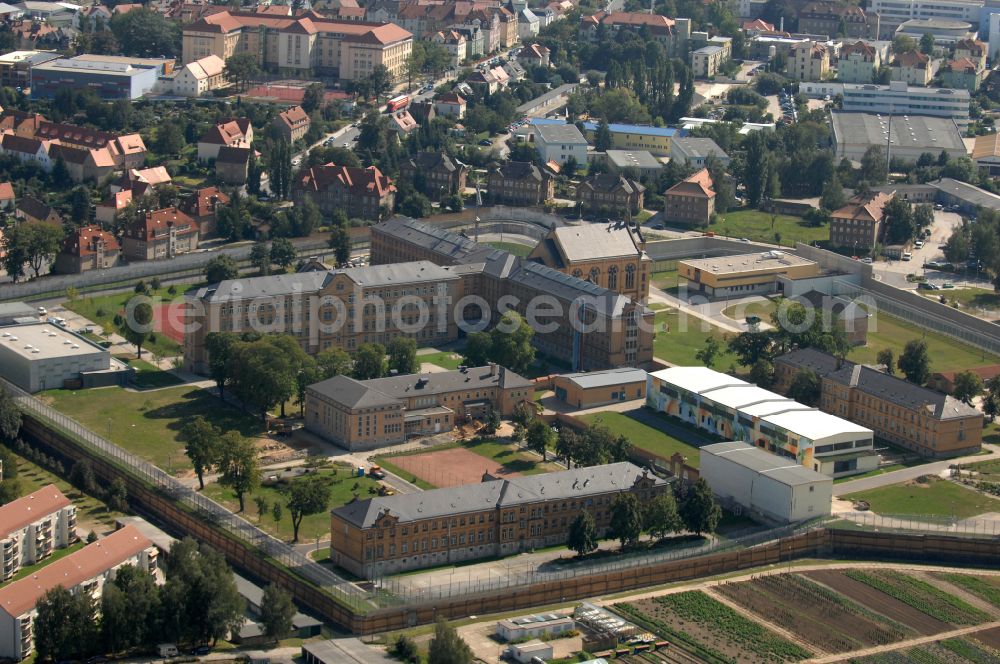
(906, 474)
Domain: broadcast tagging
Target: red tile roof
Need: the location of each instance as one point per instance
(6, 191)
(157, 223)
(227, 133)
(359, 181)
(83, 241)
(294, 117)
(26, 510)
(203, 202)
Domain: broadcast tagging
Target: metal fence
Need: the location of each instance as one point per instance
(944, 525)
(206, 508)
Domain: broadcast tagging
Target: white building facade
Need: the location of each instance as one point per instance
(34, 526)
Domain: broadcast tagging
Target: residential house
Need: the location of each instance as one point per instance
(402, 123)
(152, 177)
(519, 183)
(690, 202)
(453, 42)
(237, 133)
(434, 174)
(7, 198)
(534, 55)
(292, 124)
(695, 152)
(126, 150)
(912, 67)
(944, 381)
(528, 24)
(491, 79)
(672, 34)
(422, 111)
(88, 248)
(838, 19)
(203, 206)
(973, 49)
(706, 61)
(113, 205)
(199, 77)
(33, 211)
(859, 63)
(159, 234)
(451, 104)
(232, 163)
(859, 223)
(32, 527)
(559, 142)
(84, 164)
(27, 150)
(808, 61)
(21, 123)
(962, 73)
(362, 193)
(614, 196)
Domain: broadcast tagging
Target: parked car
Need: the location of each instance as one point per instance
(201, 651)
(925, 285)
(486, 142)
(918, 244)
(42, 311)
(947, 284)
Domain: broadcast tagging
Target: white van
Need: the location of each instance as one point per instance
(167, 650)
(907, 255)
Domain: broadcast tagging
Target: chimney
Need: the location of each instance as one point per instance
(493, 368)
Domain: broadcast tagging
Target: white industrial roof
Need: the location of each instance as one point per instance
(743, 395)
(607, 378)
(780, 469)
(696, 379)
(44, 340)
(772, 408)
(815, 424)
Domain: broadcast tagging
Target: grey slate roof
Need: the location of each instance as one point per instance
(817, 361)
(566, 133)
(902, 392)
(698, 147)
(387, 391)
(968, 193)
(568, 484)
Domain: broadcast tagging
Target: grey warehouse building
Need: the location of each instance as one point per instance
(909, 136)
(44, 357)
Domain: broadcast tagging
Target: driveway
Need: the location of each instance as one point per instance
(907, 474)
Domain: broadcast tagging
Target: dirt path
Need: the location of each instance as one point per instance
(901, 645)
(764, 621)
(959, 592)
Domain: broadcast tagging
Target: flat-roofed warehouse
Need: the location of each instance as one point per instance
(909, 136)
(43, 357)
(597, 388)
(744, 274)
(766, 484)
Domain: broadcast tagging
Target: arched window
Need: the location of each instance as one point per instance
(613, 277)
(630, 276)
(595, 274)
(578, 273)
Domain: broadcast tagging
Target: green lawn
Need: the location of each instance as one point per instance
(985, 298)
(938, 497)
(739, 312)
(148, 376)
(665, 279)
(88, 509)
(343, 487)
(756, 225)
(683, 338)
(644, 436)
(510, 457)
(444, 359)
(148, 423)
(102, 310)
(512, 247)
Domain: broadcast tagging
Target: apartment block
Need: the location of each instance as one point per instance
(519, 183)
(365, 415)
(362, 193)
(84, 571)
(496, 517)
(859, 63)
(808, 61)
(672, 34)
(706, 61)
(690, 202)
(34, 526)
(928, 422)
(898, 98)
(835, 18)
(859, 223)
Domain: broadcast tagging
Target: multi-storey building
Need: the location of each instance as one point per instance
(292, 124)
(898, 98)
(159, 234)
(497, 517)
(912, 68)
(361, 193)
(655, 140)
(692, 201)
(33, 526)
(302, 45)
(834, 18)
(973, 49)
(335, 308)
(88, 248)
(610, 195)
(892, 13)
(84, 571)
(672, 34)
(232, 133)
(127, 150)
(926, 421)
(744, 274)
(808, 61)
(434, 173)
(610, 255)
(560, 142)
(519, 183)
(617, 330)
(859, 63)
(707, 60)
(364, 415)
(15, 67)
(859, 223)
(962, 73)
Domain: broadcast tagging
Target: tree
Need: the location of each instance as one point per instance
(478, 349)
(34, 244)
(540, 437)
(137, 326)
(64, 626)
(333, 362)
(707, 353)
(10, 419)
(309, 496)
(130, 607)
(833, 197)
(405, 649)
(626, 519)
(221, 268)
(749, 347)
(873, 166)
(762, 373)
(927, 44)
(276, 612)
(524, 413)
(660, 517)
(146, 34)
(447, 647)
(968, 386)
(402, 353)
(283, 252)
(202, 444)
(369, 362)
(79, 205)
(169, 139)
(312, 100)
(914, 361)
(805, 388)
(279, 169)
(582, 536)
(380, 81)
(200, 600)
(511, 343)
(567, 445)
(699, 511)
(260, 257)
(276, 512)
(265, 373)
(238, 465)
(887, 358)
(414, 204)
(241, 68)
(260, 502)
(81, 475)
(904, 44)
(117, 498)
(340, 241)
(492, 422)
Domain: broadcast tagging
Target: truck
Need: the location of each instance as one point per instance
(397, 103)
(376, 472)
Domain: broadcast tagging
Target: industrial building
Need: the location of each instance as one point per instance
(109, 78)
(17, 312)
(906, 136)
(599, 388)
(744, 274)
(45, 356)
(737, 410)
(764, 484)
(655, 140)
(898, 98)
